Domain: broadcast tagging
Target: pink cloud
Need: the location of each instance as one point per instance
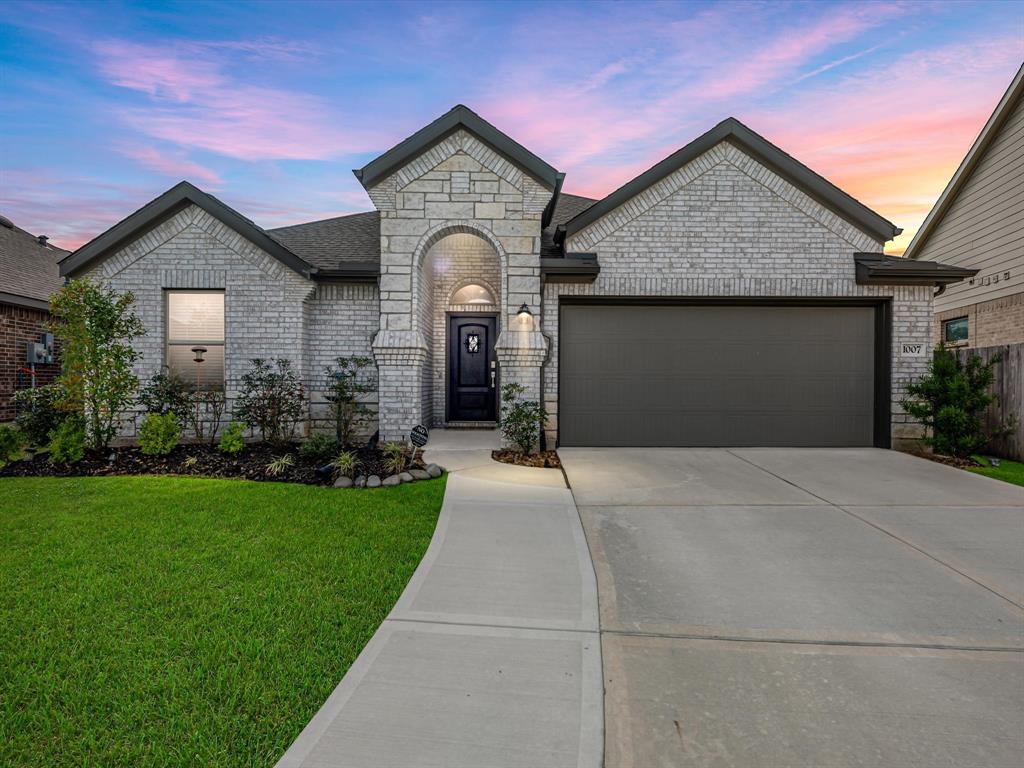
(173, 165)
(195, 102)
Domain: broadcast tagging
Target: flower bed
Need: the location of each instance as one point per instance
(543, 459)
(202, 460)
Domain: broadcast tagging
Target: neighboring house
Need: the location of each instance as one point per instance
(28, 276)
(726, 296)
(978, 222)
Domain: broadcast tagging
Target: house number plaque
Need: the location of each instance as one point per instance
(913, 350)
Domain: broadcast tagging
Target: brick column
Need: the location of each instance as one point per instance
(401, 358)
(521, 355)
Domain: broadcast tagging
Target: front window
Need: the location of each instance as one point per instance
(195, 330)
(954, 331)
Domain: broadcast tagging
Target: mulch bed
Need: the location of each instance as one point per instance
(951, 461)
(544, 459)
(250, 464)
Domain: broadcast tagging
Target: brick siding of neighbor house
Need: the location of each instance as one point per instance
(18, 327)
(725, 225)
(458, 186)
(989, 323)
(270, 310)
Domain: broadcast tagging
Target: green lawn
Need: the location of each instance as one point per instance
(1007, 471)
(161, 621)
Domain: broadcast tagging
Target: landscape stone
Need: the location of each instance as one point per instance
(434, 471)
(361, 481)
(343, 482)
(405, 477)
(373, 481)
(419, 474)
(391, 481)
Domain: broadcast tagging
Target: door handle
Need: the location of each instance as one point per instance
(492, 379)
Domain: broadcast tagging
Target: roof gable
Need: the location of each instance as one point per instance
(451, 121)
(28, 267)
(974, 156)
(163, 207)
(733, 131)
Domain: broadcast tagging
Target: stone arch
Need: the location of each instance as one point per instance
(473, 281)
(456, 227)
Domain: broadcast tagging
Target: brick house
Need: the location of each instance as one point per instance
(978, 222)
(726, 296)
(28, 275)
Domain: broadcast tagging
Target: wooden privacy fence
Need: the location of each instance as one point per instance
(1009, 387)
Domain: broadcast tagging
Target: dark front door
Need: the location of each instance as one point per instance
(472, 370)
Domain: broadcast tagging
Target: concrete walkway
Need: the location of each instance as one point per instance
(491, 657)
(805, 607)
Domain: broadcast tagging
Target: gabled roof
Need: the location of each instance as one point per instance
(733, 131)
(457, 117)
(339, 243)
(970, 162)
(566, 207)
(162, 208)
(28, 267)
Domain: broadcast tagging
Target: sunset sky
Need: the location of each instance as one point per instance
(269, 106)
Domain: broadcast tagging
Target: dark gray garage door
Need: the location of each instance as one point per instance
(716, 375)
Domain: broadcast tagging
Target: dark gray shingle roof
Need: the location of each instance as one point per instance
(28, 269)
(331, 244)
(567, 207)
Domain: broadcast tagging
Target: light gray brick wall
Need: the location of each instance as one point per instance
(724, 225)
(270, 310)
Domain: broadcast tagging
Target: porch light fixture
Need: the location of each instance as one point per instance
(524, 313)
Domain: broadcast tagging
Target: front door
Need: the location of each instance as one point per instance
(472, 367)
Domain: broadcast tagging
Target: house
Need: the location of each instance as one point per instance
(28, 276)
(978, 222)
(726, 296)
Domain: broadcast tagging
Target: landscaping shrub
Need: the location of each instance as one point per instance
(205, 412)
(232, 440)
(521, 420)
(320, 448)
(67, 443)
(271, 399)
(11, 442)
(280, 465)
(346, 463)
(347, 380)
(96, 327)
(951, 401)
(396, 457)
(159, 433)
(38, 414)
(166, 392)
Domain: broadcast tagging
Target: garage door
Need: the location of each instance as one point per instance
(699, 375)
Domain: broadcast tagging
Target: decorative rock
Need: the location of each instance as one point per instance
(434, 471)
(112, 458)
(419, 474)
(343, 482)
(392, 481)
(361, 481)
(405, 477)
(373, 481)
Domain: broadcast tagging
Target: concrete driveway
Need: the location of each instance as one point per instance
(798, 607)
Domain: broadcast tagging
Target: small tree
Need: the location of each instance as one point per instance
(347, 380)
(97, 327)
(951, 400)
(271, 399)
(521, 420)
(166, 392)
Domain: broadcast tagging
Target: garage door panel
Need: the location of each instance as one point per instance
(716, 375)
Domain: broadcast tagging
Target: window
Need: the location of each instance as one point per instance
(954, 331)
(472, 294)
(195, 319)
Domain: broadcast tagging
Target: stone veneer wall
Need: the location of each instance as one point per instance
(270, 310)
(458, 186)
(724, 225)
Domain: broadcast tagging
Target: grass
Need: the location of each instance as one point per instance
(1007, 471)
(158, 621)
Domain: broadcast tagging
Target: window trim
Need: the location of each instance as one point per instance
(222, 343)
(945, 324)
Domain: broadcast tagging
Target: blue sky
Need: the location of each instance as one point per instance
(270, 105)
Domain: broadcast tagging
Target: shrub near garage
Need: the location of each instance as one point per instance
(159, 433)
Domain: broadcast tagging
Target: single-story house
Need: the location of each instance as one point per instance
(28, 277)
(978, 222)
(727, 296)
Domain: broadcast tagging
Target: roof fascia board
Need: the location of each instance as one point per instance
(354, 272)
(457, 117)
(877, 269)
(733, 131)
(24, 301)
(966, 168)
(572, 268)
(162, 208)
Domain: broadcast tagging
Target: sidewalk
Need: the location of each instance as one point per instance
(491, 657)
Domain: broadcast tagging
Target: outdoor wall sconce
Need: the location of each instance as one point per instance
(524, 314)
